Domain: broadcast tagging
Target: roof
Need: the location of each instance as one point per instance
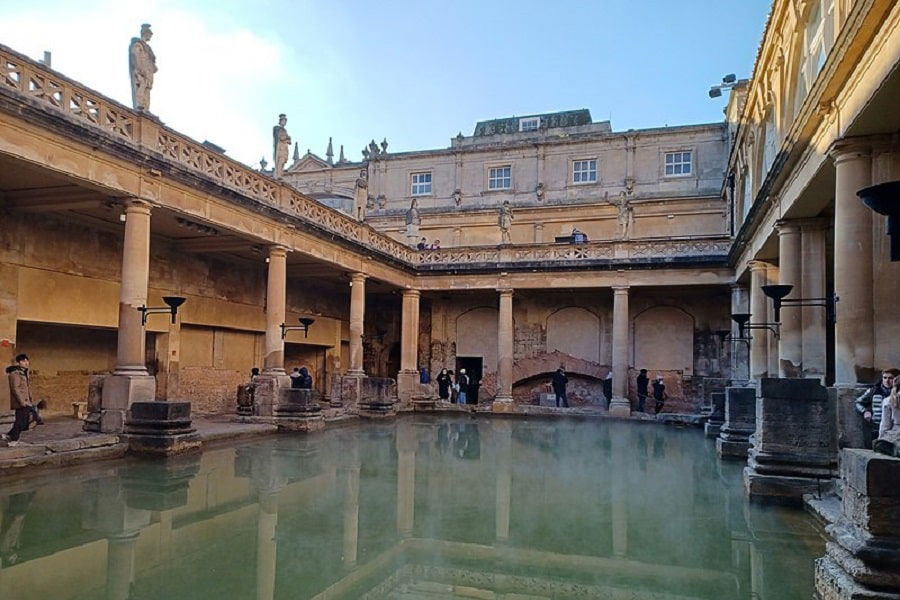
(566, 118)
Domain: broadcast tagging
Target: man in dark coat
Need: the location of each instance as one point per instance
(559, 387)
(19, 398)
(659, 393)
(642, 382)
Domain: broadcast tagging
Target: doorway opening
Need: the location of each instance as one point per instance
(473, 366)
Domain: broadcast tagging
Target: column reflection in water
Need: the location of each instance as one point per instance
(349, 473)
(406, 478)
(502, 431)
(618, 462)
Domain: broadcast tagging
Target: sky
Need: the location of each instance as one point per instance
(416, 72)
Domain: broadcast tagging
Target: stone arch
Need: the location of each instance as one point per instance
(664, 340)
(574, 331)
(476, 335)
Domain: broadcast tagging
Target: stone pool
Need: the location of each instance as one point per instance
(421, 507)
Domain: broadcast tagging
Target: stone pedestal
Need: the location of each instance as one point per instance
(160, 428)
(794, 448)
(378, 398)
(862, 561)
(407, 387)
(740, 423)
(716, 415)
(298, 410)
(120, 392)
(853, 431)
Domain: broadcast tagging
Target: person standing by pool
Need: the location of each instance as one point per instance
(444, 382)
(559, 387)
(19, 397)
(659, 393)
(462, 383)
(642, 382)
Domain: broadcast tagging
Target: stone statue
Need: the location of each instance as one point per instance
(281, 143)
(413, 220)
(624, 215)
(457, 196)
(361, 194)
(142, 66)
(504, 220)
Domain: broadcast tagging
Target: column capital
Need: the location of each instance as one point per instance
(621, 289)
(812, 223)
(505, 291)
(410, 293)
(787, 226)
(738, 287)
(849, 149)
(538, 225)
(276, 250)
(758, 265)
(357, 278)
(137, 205)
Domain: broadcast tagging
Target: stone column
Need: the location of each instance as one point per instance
(503, 400)
(275, 310)
(266, 545)
(854, 334)
(772, 340)
(357, 316)
(168, 351)
(120, 565)
(408, 377)
(812, 284)
(759, 343)
(620, 406)
(406, 479)
(740, 355)
(790, 357)
(130, 382)
(9, 287)
(538, 233)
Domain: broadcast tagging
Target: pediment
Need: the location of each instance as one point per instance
(309, 162)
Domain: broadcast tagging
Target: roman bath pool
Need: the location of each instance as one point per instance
(421, 507)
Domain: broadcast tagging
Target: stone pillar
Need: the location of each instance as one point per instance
(351, 515)
(854, 334)
(862, 560)
(794, 448)
(408, 377)
(538, 233)
(130, 382)
(503, 401)
(406, 479)
(503, 435)
(266, 545)
(771, 339)
(812, 284)
(357, 316)
(790, 357)
(275, 310)
(740, 352)
(759, 343)
(120, 565)
(168, 352)
(9, 288)
(740, 423)
(619, 406)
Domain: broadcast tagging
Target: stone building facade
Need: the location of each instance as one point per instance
(105, 210)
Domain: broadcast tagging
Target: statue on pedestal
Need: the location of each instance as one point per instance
(624, 216)
(413, 220)
(281, 142)
(141, 66)
(504, 220)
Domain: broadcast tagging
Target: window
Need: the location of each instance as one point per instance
(818, 38)
(770, 143)
(584, 171)
(500, 178)
(421, 184)
(679, 163)
(530, 124)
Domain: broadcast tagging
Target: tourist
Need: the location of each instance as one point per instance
(578, 237)
(444, 382)
(254, 373)
(659, 393)
(454, 387)
(306, 380)
(462, 385)
(607, 387)
(890, 412)
(869, 405)
(424, 377)
(436, 245)
(19, 398)
(559, 387)
(296, 378)
(642, 382)
(422, 245)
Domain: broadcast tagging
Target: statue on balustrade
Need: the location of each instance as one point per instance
(504, 220)
(142, 66)
(413, 220)
(624, 216)
(282, 145)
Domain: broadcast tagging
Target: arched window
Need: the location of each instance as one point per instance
(770, 143)
(818, 37)
(746, 193)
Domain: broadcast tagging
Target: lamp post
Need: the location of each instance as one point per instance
(305, 322)
(883, 199)
(778, 292)
(173, 303)
(743, 322)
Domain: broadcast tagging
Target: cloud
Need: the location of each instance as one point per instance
(215, 78)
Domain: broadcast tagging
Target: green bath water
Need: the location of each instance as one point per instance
(420, 507)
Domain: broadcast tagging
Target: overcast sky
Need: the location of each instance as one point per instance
(413, 71)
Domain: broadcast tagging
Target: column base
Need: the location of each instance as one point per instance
(712, 428)
(503, 404)
(119, 392)
(407, 386)
(784, 490)
(160, 429)
(732, 450)
(619, 407)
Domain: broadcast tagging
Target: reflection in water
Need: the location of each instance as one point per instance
(424, 506)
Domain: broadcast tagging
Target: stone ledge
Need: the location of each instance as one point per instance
(59, 459)
(81, 443)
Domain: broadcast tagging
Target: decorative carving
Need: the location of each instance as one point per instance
(504, 221)
(539, 190)
(142, 67)
(281, 143)
(624, 215)
(457, 196)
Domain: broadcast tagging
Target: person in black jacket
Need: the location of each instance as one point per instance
(444, 382)
(659, 393)
(559, 387)
(642, 382)
(462, 381)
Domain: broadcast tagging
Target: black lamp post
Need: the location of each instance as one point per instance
(173, 303)
(884, 199)
(743, 322)
(305, 322)
(778, 292)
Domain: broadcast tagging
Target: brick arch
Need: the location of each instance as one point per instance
(546, 364)
(663, 339)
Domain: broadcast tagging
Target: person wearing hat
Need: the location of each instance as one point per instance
(19, 398)
(462, 381)
(659, 393)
